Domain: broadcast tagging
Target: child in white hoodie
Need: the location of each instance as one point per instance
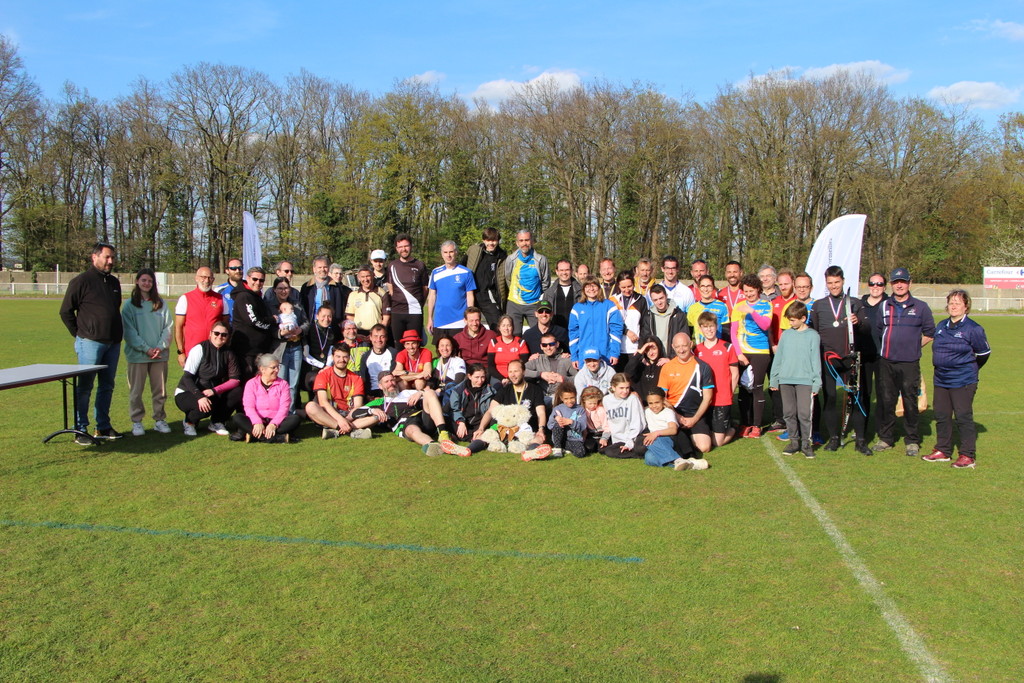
(625, 421)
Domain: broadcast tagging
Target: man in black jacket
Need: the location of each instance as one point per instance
(92, 313)
(253, 327)
(663, 318)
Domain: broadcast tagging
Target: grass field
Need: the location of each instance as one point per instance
(158, 558)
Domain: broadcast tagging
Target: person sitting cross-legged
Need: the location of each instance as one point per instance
(338, 391)
(266, 402)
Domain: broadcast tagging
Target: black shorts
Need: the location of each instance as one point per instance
(699, 427)
(719, 419)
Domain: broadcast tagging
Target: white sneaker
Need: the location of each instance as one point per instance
(328, 433)
(218, 428)
(190, 429)
(138, 429)
(162, 427)
(361, 434)
(557, 452)
(682, 464)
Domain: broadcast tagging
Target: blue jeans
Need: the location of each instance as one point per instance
(660, 452)
(291, 369)
(95, 353)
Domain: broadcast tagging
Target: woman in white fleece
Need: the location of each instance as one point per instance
(625, 421)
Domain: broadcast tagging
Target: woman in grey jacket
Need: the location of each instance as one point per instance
(147, 334)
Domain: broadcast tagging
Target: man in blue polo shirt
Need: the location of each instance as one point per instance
(452, 288)
(905, 325)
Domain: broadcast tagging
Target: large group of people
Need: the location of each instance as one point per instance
(543, 364)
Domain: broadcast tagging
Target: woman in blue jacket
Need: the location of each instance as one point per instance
(595, 323)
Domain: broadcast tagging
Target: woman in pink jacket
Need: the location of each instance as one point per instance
(265, 406)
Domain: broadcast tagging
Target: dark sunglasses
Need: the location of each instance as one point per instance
(234, 267)
(219, 334)
(286, 270)
(549, 343)
(876, 284)
(258, 279)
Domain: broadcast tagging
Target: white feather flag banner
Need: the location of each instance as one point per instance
(252, 250)
(838, 244)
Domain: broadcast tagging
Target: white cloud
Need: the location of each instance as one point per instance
(1010, 30)
(494, 92)
(429, 77)
(882, 72)
(976, 95)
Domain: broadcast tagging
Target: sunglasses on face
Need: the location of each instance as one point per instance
(549, 344)
(258, 279)
(876, 284)
(234, 267)
(219, 334)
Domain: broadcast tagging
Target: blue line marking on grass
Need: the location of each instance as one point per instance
(297, 540)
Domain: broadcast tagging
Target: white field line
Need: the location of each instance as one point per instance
(912, 644)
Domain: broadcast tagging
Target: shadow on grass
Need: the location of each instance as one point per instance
(762, 678)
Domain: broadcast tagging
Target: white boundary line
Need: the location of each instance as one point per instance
(912, 643)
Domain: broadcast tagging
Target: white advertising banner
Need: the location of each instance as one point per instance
(252, 250)
(1004, 278)
(838, 245)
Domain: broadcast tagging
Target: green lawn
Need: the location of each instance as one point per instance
(488, 568)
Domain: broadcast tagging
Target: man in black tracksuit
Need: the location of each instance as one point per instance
(253, 327)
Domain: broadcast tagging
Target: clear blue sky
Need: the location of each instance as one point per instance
(971, 53)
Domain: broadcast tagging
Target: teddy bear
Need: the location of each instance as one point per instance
(512, 432)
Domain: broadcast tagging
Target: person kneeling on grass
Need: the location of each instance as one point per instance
(568, 423)
(467, 403)
(662, 425)
(520, 392)
(796, 375)
(625, 414)
(338, 391)
(265, 404)
(689, 386)
(411, 414)
(210, 384)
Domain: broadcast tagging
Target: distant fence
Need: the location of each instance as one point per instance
(16, 283)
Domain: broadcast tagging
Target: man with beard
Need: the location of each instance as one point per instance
(236, 275)
(732, 293)
(698, 268)
(644, 271)
(407, 287)
(474, 339)
(196, 312)
(91, 311)
(483, 260)
(378, 359)
(412, 415)
(549, 368)
(545, 325)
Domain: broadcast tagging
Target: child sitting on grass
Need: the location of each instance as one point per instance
(568, 423)
(662, 425)
(621, 438)
(796, 375)
(597, 419)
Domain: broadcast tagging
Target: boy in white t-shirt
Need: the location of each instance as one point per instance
(662, 425)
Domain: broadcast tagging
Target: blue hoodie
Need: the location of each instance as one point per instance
(595, 326)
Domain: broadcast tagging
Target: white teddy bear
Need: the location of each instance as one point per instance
(513, 433)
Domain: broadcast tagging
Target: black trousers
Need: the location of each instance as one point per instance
(221, 405)
(955, 403)
(400, 322)
(752, 402)
(830, 408)
(895, 380)
(287, 426)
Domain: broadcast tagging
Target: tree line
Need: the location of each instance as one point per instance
(605, 169)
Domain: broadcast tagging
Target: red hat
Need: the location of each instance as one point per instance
(410, 335)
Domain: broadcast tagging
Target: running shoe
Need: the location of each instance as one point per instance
(783, 436)
(680, 464)
(817, 440)
(792, 448)
(913, 450)
(218, 428)
(110, 434)
(777, 426)
(85, 440)
(328, 433)
(190, 429)
(557, 452)
(936, 456)
(162, 427)
(964, 462)
(832, 445)
(138, 429)
(881, 446)
(753, 433)
(862, 447)
(361, 434)
(452, 448)
(538, 453)
(432, 449)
